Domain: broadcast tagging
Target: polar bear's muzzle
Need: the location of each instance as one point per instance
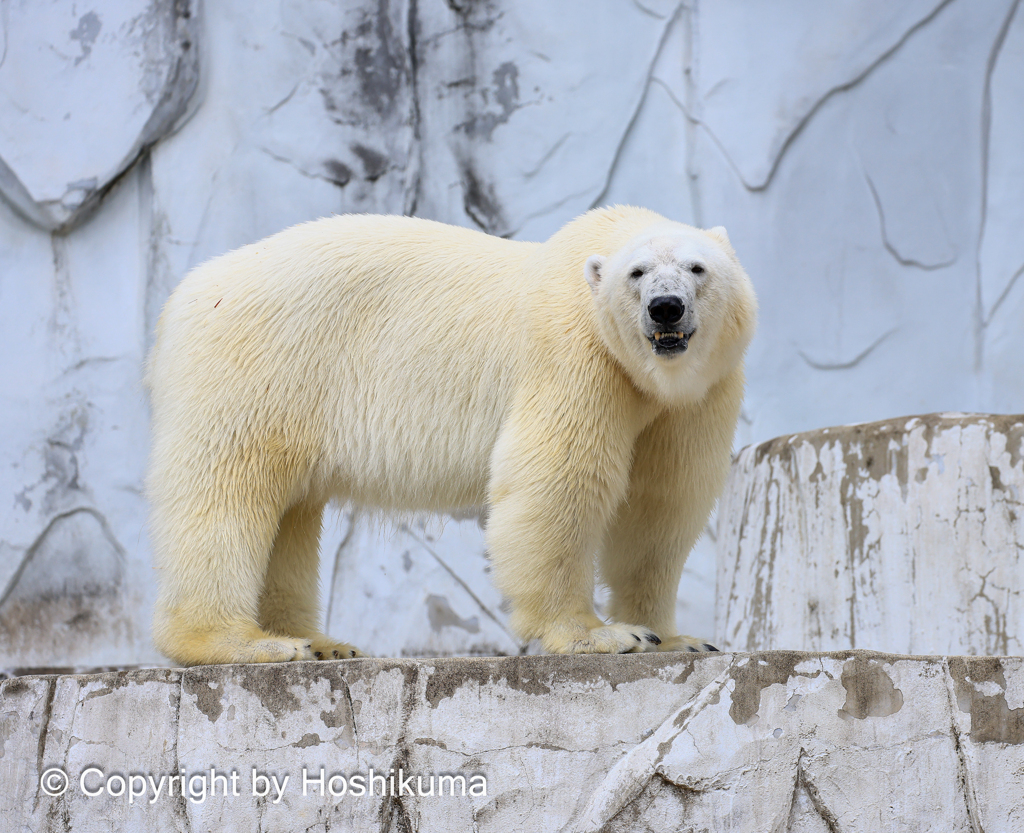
(671, 328)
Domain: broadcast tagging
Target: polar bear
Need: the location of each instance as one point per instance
(585, 390)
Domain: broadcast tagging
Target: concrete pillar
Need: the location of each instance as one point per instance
(905, 536)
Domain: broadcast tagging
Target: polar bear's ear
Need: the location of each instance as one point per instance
(592, 271)
(720, 234)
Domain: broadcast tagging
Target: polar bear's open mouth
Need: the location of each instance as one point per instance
(665, 344)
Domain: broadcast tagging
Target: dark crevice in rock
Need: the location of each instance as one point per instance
(44, 728)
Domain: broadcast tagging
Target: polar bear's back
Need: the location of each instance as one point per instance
(358, 343)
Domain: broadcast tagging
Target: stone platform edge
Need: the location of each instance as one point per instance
(759, 741)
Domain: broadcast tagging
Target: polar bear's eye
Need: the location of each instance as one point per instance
(697, 269)
(637, 273)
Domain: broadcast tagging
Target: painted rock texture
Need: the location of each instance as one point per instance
(905, 535)
(83, 93)
(864, 156)
(853, 741)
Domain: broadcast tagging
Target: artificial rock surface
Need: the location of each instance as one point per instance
(83, 93)
(864, 156)
(905, 535)
(849, 741)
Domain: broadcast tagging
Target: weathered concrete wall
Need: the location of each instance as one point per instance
(665, 742)
(865, 157)
(905, 535)
(85, 93)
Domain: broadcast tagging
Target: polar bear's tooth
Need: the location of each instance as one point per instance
(657, 336)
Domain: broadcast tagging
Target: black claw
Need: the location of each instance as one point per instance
(336, 654)
(653, 639)
(352, 653)
(637, 638)
(711, 648)
(318, 655)
(691, 648)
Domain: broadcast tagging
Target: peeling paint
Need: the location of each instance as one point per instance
(753, 677)
(209, 696)
(519, 675)
(869, 690)
(980, 686)
(535, 674)
(850, 537)
(617, 742)
(307, 740)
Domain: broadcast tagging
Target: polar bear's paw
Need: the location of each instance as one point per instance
(616, 638)
(686, 643)
(226, 645)
(275, 649)
(326, 648)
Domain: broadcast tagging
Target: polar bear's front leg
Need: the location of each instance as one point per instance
(555, 484)
(680, 462)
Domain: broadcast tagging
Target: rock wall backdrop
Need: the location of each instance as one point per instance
(866, 157)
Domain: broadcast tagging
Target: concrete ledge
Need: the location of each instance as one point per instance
(745, 742)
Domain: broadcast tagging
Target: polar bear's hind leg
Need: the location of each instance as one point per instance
(290, 601)
(212, 539)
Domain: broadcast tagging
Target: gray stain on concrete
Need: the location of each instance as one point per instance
(992, 719)
(540, 674)
(869, 690)
(441, 615)
(86, 32)
(382, 65)
(755, 676)
(209, 696)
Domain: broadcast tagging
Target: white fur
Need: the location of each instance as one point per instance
(409, 365)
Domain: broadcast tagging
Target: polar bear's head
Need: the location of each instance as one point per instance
(675, 308)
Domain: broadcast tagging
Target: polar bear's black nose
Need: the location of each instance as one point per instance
(666, 309)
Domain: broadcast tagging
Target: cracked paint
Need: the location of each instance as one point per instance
(854, 536)
(580, 756)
